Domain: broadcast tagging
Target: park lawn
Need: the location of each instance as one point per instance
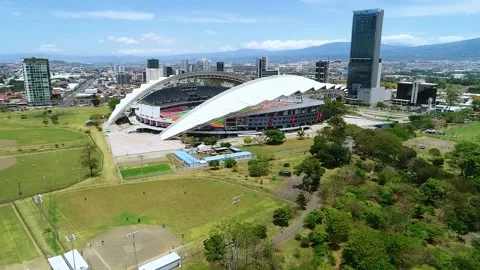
(40, 172)
(145, 171)
(466, 132)
(39, 136)
(74, 117)
(289, 145)
(95, 211)
(15, 244)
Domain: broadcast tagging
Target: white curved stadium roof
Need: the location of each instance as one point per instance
(237, 98)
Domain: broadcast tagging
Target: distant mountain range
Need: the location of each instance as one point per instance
(460, 50)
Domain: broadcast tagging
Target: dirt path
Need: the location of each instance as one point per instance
(7, 143)
(295, 227)
(6, 162)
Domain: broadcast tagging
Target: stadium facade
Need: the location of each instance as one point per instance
(175, 106)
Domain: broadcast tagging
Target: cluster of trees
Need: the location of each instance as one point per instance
(49, 115)
(112, 103)
(260, 166)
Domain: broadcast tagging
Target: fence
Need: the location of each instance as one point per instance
(30, 231)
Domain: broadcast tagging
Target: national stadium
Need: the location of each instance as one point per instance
(224, 104)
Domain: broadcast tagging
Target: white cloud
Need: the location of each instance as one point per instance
(216, 18)
(403, 40)
(100, 40)
(211, 32)
(147, 51)
(274, 45)
(158, 38)
(124, 40)
(48, 48)
(107, 14)
(436, 8)
(227, 48)
(448, 39)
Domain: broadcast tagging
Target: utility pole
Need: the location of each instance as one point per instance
(19, 189)
(141, 162)
(132, 234)
(71, 238)
(236, 201)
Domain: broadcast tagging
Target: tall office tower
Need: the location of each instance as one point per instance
(119, 69)
(36, 72)
(191, 68)
(363, 69)
(322, 69)
(168, 71)
(123, 78)
(153, 63)
(262, 65)
(203, 65)
(220, 66)
(184, 65)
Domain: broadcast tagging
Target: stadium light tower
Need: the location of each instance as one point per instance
(71, 238)
(236, 201)
(132, 234)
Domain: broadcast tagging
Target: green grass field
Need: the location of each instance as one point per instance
(164, 202)
(39, 136)
(146, 170)
(15, 245)
(39, 172)
(288, 145)
(467, 132)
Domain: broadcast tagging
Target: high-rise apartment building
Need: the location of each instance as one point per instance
(203, 65)
(119, 70)
(364, 67)
(184, 65)
(123, 78)
(262, 68)
(220, 66)
(168, 71)
(153, 63)
(322, 69)
(36, 72)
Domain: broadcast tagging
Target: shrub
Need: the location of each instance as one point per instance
(298, 237)
(225, 144)
(305, 242)
(286, 165)
(296, 253)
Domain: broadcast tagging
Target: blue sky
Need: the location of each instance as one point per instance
(163, 27)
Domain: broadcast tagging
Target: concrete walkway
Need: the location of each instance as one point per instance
(295, 227)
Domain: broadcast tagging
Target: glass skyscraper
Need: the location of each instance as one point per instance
(363, 69)
(36, 73)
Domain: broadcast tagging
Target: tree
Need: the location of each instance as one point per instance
(318, 236)
(331, 155)
(45, 121)
(260, 231)
(438, 161)
(214, 164)
(312, 219)
(301, 201)
(281, 216)
(95, 101)
(452, 93)
(54, 118)
(466, 156)
(336, 108)
(214, 248)
(301, 134)
(336, 131)
(274, 136)
(230, 162)
(260, 139)
(434, 190)
(435, 152)
(210, 140)
(337, 225)
(88, 159)
(476, 105)
(258, 167)
(225, 144)
(112, 103)
(379, 144)
(381, 105)
(312, 173)
(247, 140)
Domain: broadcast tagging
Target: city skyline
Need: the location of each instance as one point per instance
(168, 28)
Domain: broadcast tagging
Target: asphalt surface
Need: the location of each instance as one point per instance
(67, 101)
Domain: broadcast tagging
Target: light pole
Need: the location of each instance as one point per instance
(141, 162)
(236, 201)
(71, 238)
(132, 234)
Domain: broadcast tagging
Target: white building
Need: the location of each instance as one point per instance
(153, 74)
(203, 65)
(166, 262)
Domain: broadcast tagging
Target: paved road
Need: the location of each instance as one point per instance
(295, 227)
(67, 101)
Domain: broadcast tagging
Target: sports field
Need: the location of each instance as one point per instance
(39, 136)
(145, 170)
(40, 172)
(187, 206)
(15, 245)
(288, 145)
(466, 132)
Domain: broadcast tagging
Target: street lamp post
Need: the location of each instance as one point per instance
(71, 238)
(236, 201)
(141, 162)
(132, 234)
